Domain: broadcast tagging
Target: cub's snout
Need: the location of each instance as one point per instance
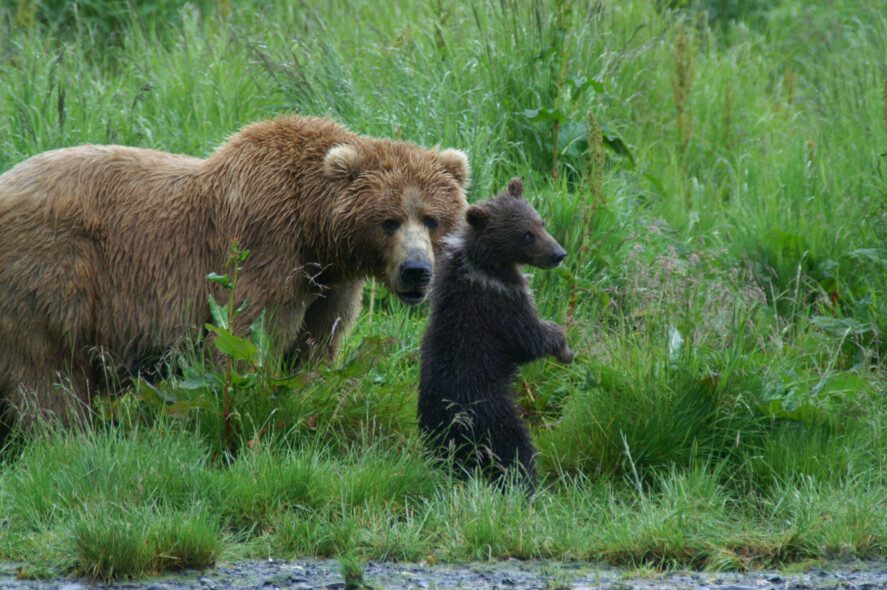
(558, 255)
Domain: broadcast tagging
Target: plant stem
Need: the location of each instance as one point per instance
(596, 160)
(555, 137)
(233, 269)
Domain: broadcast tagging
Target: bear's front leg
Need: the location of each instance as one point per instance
(527, 339)
(557, 346)
(45, 382)
(327, 323)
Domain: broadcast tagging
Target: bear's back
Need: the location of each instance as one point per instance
(70, 179)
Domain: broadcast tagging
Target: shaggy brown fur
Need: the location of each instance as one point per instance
(106, 248)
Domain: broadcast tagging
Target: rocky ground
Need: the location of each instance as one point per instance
(510, 575)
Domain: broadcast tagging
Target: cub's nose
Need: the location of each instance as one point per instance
(558, 255)
(415, 274)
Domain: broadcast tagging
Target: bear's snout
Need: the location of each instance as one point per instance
(558, 255)
(415, 274)
(412, 279)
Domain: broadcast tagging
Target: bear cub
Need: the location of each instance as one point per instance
(483, 325)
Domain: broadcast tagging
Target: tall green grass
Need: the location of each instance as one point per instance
(726, 407)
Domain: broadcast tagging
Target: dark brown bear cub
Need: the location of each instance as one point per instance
(484, 325)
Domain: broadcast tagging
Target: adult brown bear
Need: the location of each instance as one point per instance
(105, 249)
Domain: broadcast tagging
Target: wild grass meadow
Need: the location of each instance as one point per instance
(718, 172)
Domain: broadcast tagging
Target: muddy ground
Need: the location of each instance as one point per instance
(509, 575)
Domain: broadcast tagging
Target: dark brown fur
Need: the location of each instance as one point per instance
(106, 248)
(484, 325)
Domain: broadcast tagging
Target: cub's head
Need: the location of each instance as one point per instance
(396, 203)
(509, 229)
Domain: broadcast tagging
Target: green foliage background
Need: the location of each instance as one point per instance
(726, 409)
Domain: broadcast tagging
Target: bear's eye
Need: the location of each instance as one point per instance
(390, 225)
(431, 222)
(529, 237)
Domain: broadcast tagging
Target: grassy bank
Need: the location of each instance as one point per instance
(725, 290)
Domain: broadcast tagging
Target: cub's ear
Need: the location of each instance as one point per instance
(476, 216)
(342, 162)
(515, 188)
(455, 162)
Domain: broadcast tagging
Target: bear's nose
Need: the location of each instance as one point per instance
(415, 274)
(558, 255)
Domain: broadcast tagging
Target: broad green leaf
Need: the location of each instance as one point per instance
(841, 387)
(544, 114)
(156, 392)
(219, 314)
(579, 84)
(218, 279)
(614, 143)
(243, 380)
(235, 347)
(243, 306)
(839, 326)
(876, 255)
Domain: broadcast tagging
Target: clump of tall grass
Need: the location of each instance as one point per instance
(113, 546)
(655, 411)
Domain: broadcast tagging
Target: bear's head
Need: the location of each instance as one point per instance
(508, 229)
(396, 204)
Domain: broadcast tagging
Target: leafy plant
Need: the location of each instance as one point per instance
(235, 349)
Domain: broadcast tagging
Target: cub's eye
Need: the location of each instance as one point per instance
(431, 222)
(529, 237)
(390, 225)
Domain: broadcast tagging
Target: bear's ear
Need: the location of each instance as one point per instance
(476, 216)
(342, 162)
(455, 162)
(515, 188)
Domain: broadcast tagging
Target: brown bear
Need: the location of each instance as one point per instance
(104, 250)
(484, 325)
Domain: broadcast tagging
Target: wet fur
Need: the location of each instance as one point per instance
(105, 249)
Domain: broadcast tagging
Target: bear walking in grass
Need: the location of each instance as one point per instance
(104, 250)
(484, 325)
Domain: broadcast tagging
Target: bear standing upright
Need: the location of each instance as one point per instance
(104, 250)
(484, 325)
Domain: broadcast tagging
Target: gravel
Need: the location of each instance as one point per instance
(508, 575)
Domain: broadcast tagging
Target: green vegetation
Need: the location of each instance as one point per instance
(718, 171)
